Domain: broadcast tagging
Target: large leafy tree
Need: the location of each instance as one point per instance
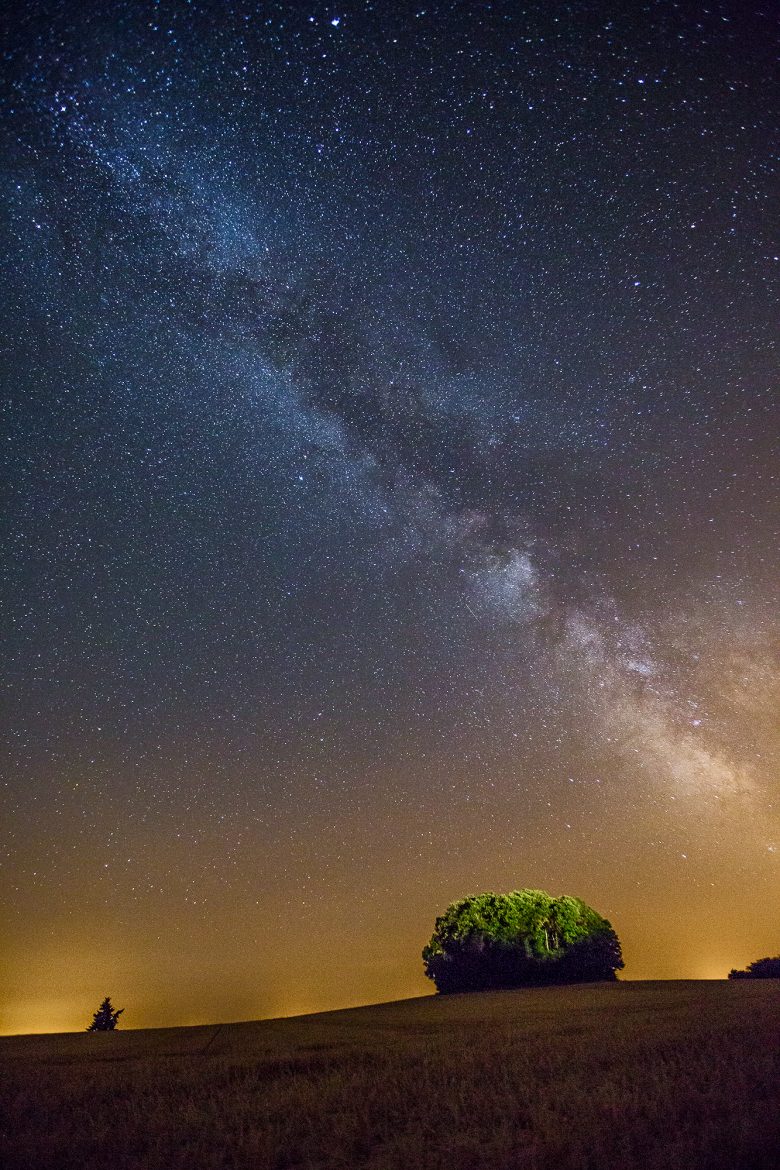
(525, 937)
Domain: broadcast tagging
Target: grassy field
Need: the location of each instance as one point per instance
(662, 1076)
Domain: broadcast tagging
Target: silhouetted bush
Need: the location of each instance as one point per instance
(761, 969)
(525, 937)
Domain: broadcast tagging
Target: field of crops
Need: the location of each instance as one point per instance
(657, 1076)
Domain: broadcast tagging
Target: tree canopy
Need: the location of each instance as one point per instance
(524, 937)
(761, 969)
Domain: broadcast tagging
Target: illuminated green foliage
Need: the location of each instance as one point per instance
(524, 937)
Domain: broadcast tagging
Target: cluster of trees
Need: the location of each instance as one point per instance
(512, 940)
(761, 969)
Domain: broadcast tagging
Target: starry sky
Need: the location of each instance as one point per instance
(390, 510)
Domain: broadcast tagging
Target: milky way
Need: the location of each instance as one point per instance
(392, 499)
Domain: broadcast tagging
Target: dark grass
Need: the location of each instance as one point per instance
(657, 1076)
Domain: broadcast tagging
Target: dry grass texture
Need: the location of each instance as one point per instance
(662, 1076)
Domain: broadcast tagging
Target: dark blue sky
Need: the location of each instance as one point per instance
(391, 483)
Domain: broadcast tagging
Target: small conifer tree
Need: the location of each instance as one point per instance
(105, 1018)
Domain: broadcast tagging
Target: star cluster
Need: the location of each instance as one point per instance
(392, 496)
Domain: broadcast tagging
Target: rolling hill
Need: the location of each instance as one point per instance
(652, 1075)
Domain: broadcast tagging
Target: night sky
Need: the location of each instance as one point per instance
(390, 510)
